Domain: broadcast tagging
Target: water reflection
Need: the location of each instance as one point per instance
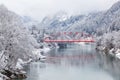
(73, 55)
(110, 64)
(77, 62)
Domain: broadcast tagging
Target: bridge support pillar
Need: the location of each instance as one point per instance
(62, 45)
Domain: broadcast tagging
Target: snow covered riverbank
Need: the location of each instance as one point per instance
(38, 55)
(113, 52)
(109, 43)
(19, 68)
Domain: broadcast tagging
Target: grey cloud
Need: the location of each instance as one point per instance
(39, 8)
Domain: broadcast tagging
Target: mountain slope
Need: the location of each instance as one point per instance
(97, 23)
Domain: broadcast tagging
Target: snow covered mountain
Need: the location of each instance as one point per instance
(60, 21)
(99, 22)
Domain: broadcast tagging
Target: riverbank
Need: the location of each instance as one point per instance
(109, 43)
(114, 52)
(18, 72)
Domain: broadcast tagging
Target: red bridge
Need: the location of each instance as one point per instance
(70, 37)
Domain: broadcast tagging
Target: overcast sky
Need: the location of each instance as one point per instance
(37, 9)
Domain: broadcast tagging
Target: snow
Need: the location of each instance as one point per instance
(118, 53)
(115, 53)
(45, 49)
(111, 51)
(37, 53)
(18, 66)
(20, 63)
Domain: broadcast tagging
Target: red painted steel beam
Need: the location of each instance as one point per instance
(69, 41)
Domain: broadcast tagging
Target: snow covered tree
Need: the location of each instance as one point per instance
(15, 41)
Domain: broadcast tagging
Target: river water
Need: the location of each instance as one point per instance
(76, 62)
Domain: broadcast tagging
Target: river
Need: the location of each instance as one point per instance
(76, 62)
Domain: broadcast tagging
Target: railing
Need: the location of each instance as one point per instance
(69, 37)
